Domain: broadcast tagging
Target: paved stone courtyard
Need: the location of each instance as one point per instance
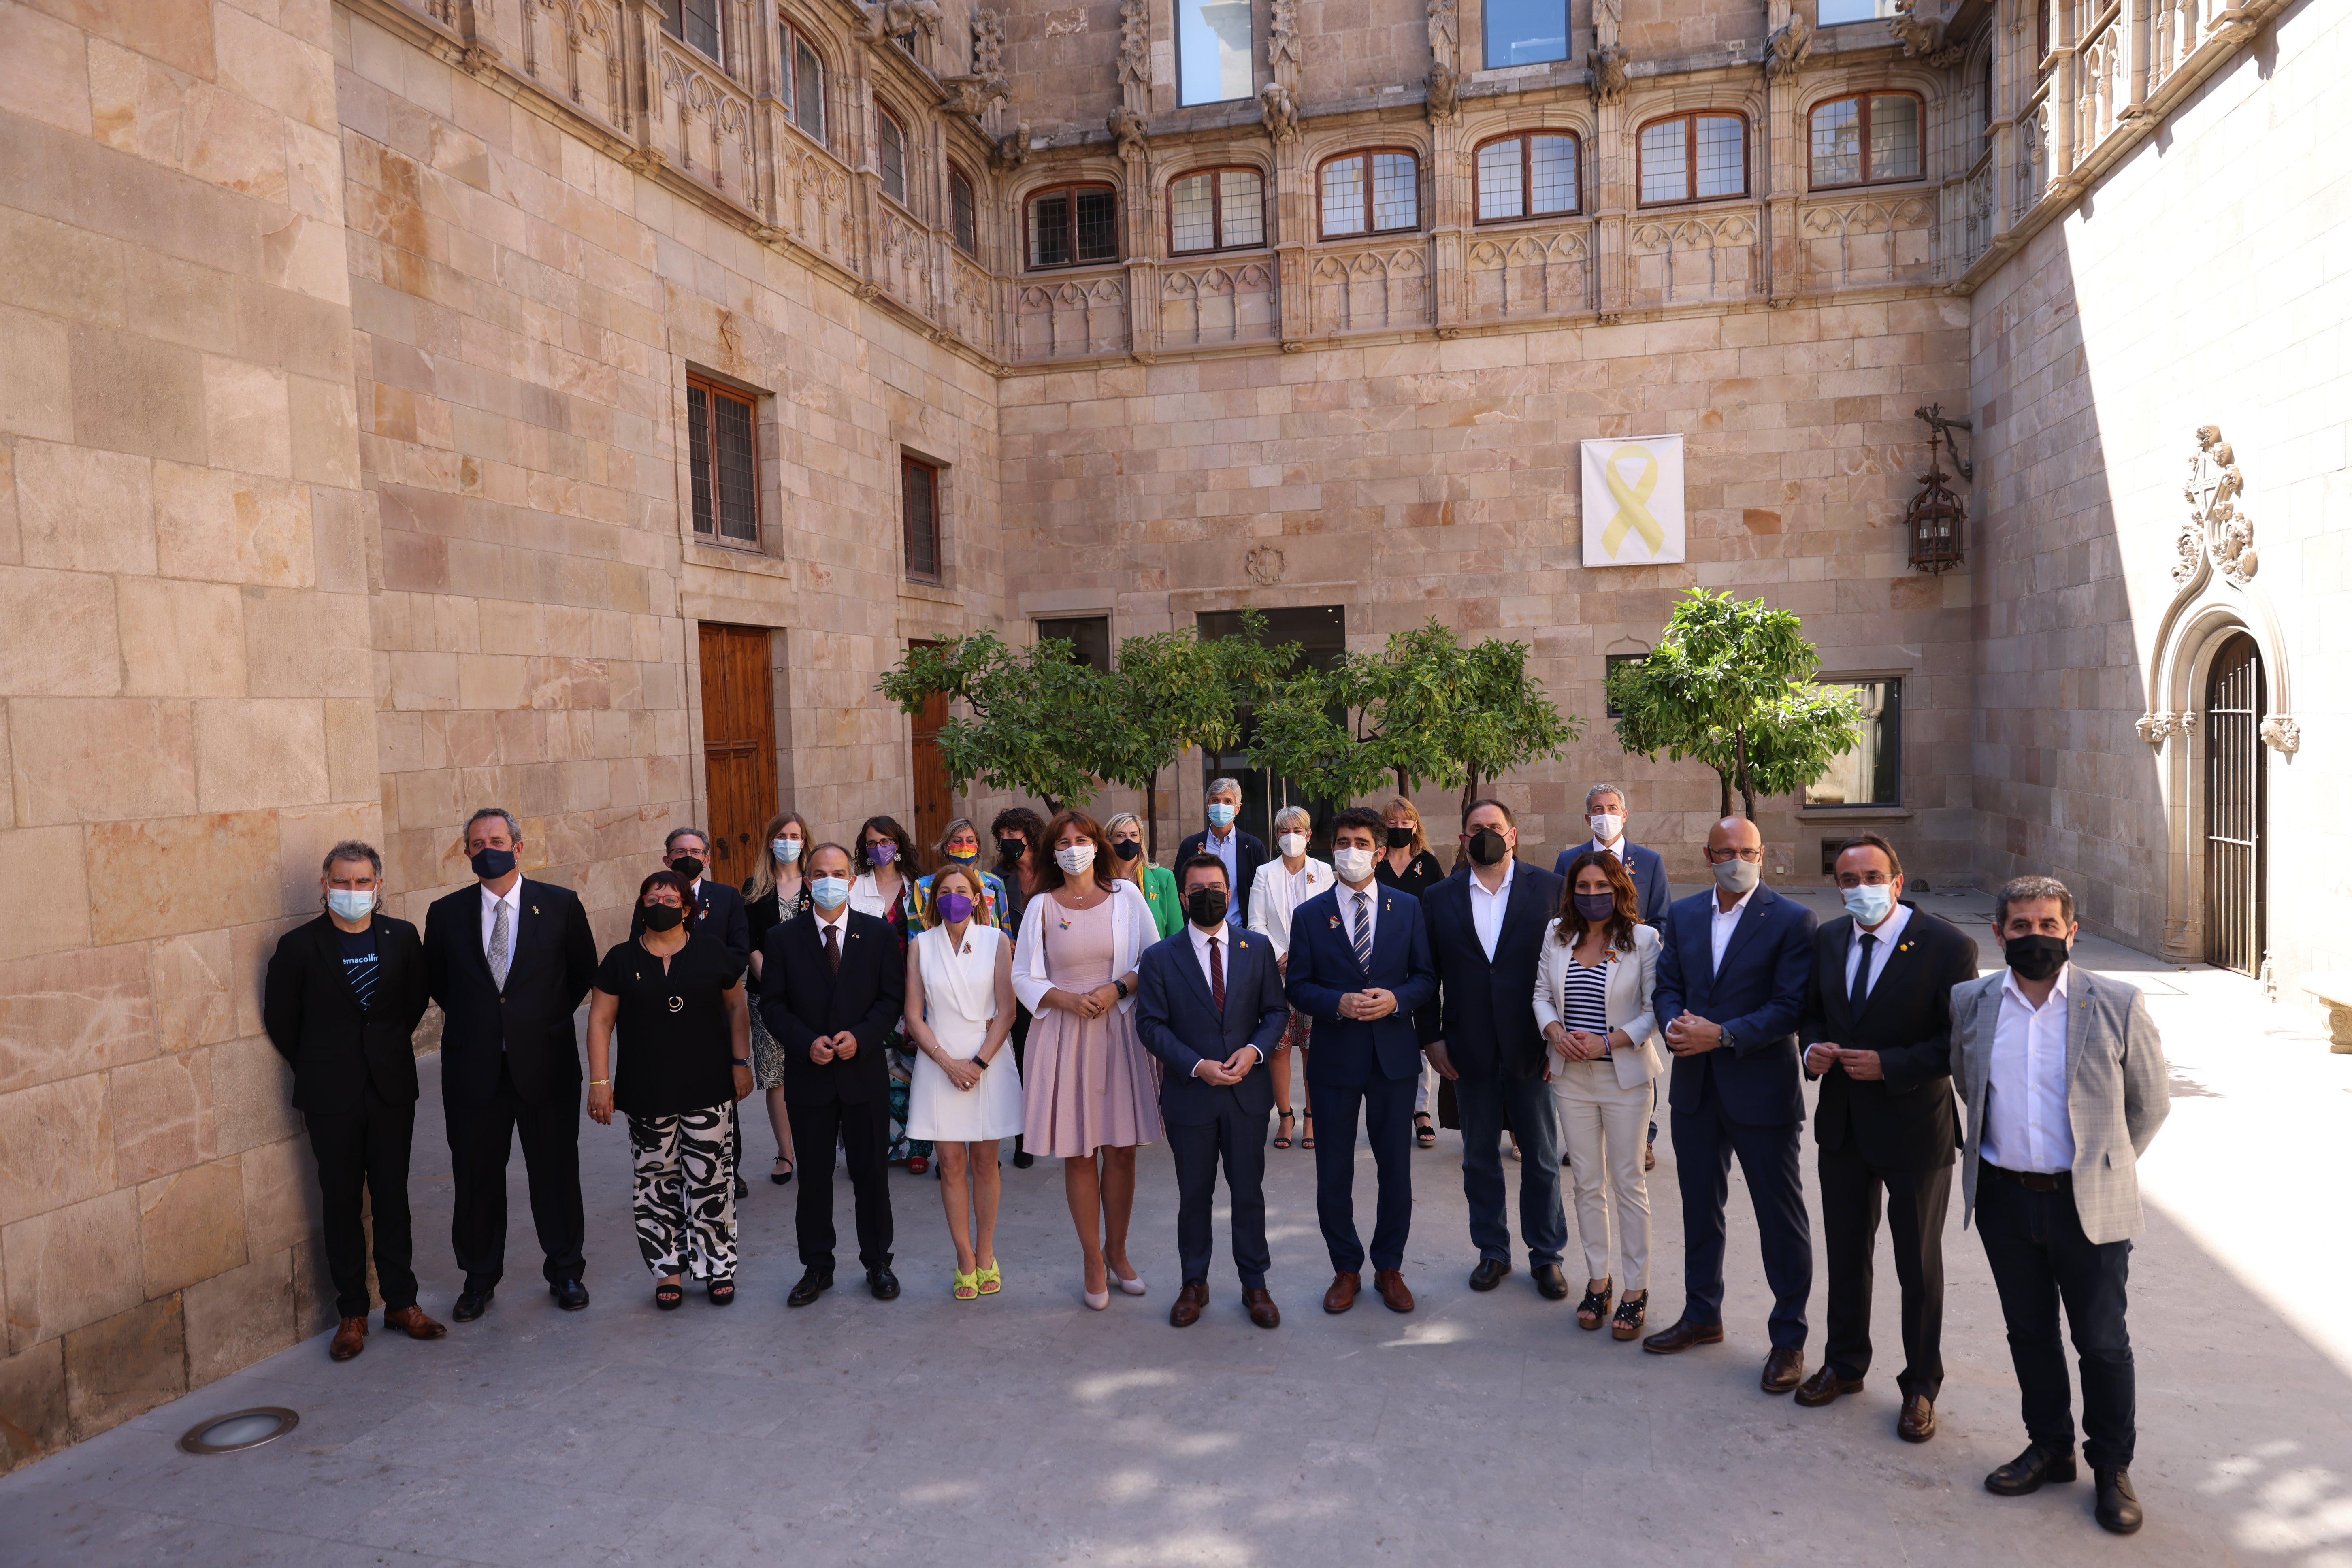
(1029, 1430)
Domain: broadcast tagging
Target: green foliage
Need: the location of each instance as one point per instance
(1035, 716)
(1170, 692)
(1731, 684)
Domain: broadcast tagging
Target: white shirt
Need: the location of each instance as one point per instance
(1486, 909)
(839, 918)
(2026, 1125)
(1346, 896)
(1229, 851)
(1888, 930)
(1618, 848)
(490, 902)
(1201, 939)
(1724, 920)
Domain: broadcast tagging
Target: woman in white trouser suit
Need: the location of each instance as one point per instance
(1593, 1002)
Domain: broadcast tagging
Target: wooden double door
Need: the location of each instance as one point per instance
(739, 744)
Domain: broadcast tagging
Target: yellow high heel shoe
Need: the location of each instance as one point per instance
(991, 1280)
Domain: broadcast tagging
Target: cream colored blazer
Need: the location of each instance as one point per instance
(1632, 978)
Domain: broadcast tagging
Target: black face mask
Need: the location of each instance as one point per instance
(491, 864)
(2035, 957)
(1487, 846)
(688, 866)
(1126, 848)
(1400, 838)
(663, 917)
(1009, 850)
(1205, 907)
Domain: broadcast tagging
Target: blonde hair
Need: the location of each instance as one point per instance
(1420, 837)
(1130, 870)
(763, 870)
(970, 877)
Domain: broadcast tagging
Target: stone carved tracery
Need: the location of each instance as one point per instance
(2216, 530)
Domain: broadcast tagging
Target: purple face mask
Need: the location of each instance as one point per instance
(955, 908)
(1596, 907)
(882, 853)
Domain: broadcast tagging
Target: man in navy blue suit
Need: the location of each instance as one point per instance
(1731, 985)
(1209, 1007)
(1485, 939)
(1604, 812)
(1360, 968)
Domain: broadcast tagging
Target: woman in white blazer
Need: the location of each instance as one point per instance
(1593, 986)
(1280, 885)
(1090, 1092)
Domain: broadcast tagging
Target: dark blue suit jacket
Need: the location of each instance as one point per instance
(1323, 968)
(1758, 997)
(1178, 1022)
(1650, 884)
(1484, 1010)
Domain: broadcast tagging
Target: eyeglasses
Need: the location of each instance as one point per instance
(1863, 879)
(1720, 857)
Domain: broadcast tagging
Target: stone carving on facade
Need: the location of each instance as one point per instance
(1011, 149)
(899, 19)
(1445, 91)
(1134, 44)
(1919, 31)
(1265, 564)
(1282, 42)
(1789, 46)
(2217, 530)
(1279, 111)
(971, 96)
(987, 42)
(2283, 733)
(1611, 67)
(1445, 32)
(1127, 129)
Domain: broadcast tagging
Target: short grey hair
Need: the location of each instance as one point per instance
(2025, 890)
(1597, 791)
(676, 834)
(351, 850)
(1218, 786)
(514, 829)
(1298, 813)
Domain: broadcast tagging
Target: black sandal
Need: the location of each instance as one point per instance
(787, 1176)
(1629, 1314)
(721, 1291)
(1595, 1306)
(1281, 1128)
(1423, 1132)
(1307, 1139)
(667, 1295)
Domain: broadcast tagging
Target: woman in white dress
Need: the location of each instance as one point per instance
(1280, 886)
(966, 1092)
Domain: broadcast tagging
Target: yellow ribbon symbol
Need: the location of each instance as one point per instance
(1631, 511)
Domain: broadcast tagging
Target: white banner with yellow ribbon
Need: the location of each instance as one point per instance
(1634, 500)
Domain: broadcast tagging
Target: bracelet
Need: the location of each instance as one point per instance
(740, 1061)
(981, 1062)
(600, 1083)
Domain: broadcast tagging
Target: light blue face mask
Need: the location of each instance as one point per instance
(351, 903)
(1221, 814)
(787, 850)
(1870, 905)
(830, 892)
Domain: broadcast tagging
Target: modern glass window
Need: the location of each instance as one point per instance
(1525, 32)
(919, 484)
(1370, 193)
(1532, 175)
(1088, 636)
(963, 212)
(892, 137)
(1213, 51)
(1867, 140)
(1834, 12)
(803, 84)
(1693, 158)
(695, 21)
(1216, 209)
(1072, 225)
(719, 425)
(1871, 772)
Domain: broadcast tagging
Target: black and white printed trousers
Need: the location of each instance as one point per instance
(684, 1193)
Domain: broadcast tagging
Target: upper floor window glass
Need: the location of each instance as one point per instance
(893, 140)
(697, 22)
(1866, 139)
(1834, 12)
(803, 84)
(719, 425)
(1217, 209)
(1370, 193)
(1693, 157)
(1525, 32)
(1072, 225)
(1532, 175)
(1213, 51)
(964, 212)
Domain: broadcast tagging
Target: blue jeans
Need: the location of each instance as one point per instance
(2039, 1257)
(1487, 1106)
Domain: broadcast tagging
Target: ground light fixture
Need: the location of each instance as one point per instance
(240, 1430)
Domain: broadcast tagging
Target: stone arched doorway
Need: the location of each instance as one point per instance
(2236, 775)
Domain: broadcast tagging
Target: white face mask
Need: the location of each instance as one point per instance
(1292, 845)
(786, 849)
(830, 892)
(1353, 865)
(351, 903)
(1074, 858)
(1607, 826)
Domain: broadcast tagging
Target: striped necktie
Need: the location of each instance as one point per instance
(1364, 930)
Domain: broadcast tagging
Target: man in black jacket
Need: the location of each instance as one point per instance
(341, 1002)
(832, 986)
(1242, 853)
(510, 960)
(720, 912)
(1877, 1033)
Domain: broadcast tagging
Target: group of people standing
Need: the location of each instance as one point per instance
(1081, 1001)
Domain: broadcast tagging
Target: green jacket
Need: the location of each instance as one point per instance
(1160, 892)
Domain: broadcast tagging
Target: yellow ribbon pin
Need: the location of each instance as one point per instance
(1633, 514)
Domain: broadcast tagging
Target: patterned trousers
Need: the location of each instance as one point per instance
(684, 1193)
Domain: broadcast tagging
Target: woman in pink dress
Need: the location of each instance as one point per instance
(1090, 1092)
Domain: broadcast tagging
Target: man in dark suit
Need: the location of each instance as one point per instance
(833, 986)
(510, 960)
(1359, 967)
(1877, 1032)
(1240, 853)
(1731, 986)
(1485, 938)
(1210, 1006)
(1604, 812)
(341, 1002)
(720, 912)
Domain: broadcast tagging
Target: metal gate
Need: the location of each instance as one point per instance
(2234, 770)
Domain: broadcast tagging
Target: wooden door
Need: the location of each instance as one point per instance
(934, 806)
(739, 745)
(2234, 777)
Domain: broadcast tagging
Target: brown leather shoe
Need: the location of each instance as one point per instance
(1917, 1422)
(351, 1338)
(411, 1320)
(1262, 1310)
(1682, 1336)
(1393, 1292)
(1824, 1386)
(1188, 1303)
(1343, 1294)
(1783, 1370)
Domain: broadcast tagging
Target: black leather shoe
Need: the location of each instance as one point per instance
(1552, 1282)
(742, 1189)
(1783, 1370)
(570, 1294)
(2027, 1471)
(472, 1304)
(814, 1283)
(1488, 1274)
(2118, 1509)
(883, 1283)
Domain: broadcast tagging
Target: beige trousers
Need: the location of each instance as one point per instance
(1602, 1128)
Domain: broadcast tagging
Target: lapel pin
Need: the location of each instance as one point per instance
(534, 908)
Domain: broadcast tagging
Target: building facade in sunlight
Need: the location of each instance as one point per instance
(576, 405)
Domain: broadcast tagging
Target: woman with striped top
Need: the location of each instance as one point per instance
(1593, 1002)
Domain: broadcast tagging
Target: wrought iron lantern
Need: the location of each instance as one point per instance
(1937, 519)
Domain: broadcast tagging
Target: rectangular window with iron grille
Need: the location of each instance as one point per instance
(723, 445)
(919, 489)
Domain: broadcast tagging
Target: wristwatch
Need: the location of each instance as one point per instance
(1726, 1040)
(1123, 992)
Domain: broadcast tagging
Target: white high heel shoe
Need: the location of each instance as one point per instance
(1133, 1285)
(1096, 1302)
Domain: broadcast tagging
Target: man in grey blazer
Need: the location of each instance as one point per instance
(2065, 1084)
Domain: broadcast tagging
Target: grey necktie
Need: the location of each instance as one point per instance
(1364, 931)
(501, 944)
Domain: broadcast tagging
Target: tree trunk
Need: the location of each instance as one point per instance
(1747, 785)
(1723, 784)
(1402, 787)
(1151, 816)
